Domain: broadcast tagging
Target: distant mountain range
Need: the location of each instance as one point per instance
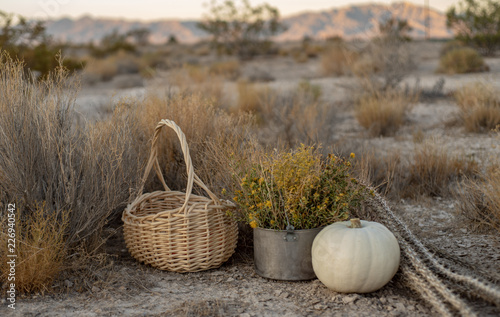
(356, 21)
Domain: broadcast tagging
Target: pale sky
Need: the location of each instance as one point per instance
(163, 9)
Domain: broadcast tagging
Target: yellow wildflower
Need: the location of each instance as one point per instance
(353, 155)
(253, 224)
(269, 204)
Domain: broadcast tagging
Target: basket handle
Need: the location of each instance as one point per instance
(153, 160)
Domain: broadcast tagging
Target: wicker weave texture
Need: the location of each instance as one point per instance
(178, 231)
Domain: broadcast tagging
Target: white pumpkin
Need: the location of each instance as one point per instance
(355, 260)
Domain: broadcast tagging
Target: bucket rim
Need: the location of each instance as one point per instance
(295, 230)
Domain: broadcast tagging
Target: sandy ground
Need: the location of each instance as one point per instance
(128, 288)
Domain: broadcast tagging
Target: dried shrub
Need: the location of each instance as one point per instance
(197, 73)
(204, 126)
(382, 112)
(120, 63)
(193, 79)
(385, 61)
(479, 107)
(296, 117)
(250, 97)
(462, 60)
(479, 200)
(336, 58)
(433, 169)
(387, 173)
(40, 248)
(226, 69)
(86, 169)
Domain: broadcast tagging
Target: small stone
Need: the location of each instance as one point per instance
(68, 283)
(95, 289)
(245, 315)
(349, 299)
(230, 280)
(285, 295)
(400, 307)
(320, 307)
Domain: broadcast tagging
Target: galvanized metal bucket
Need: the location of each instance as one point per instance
(284, 254)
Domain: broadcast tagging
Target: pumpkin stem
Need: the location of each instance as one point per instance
(355, 223)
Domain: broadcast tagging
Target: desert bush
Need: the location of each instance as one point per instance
(241, 29)
(388, 59)
(479, 197)
(479, 200)
(86, 169)
(477, 23)
(433, 169)
(225, 69)
(299, 56)
(364, 66)
(205, 126)
(336, 58)
(383, 112)
(451, 46)
(250, 97)
(40, 247)
(193, 79)
(28, 41)
(121, 63)
(292, 118)
(100, 70)
(111, 44)
(305, 88)
(460, 61)
(197, 73)
(386, 172)
(479, 105)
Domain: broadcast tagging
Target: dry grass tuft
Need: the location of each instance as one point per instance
(382, 112)
(250, 97)
(40, 248)
(479, 198)
(386, 173)
(104, 69)
(335, 60)
(204, 126)
(292, 118)
(479, 201)
(479, 105)
(433, 170)
(462, 60)
(226, 69)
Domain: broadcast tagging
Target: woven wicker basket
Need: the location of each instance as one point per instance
(178, 231)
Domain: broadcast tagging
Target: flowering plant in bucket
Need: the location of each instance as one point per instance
(300, 188)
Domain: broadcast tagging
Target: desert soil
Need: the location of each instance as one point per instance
(127, 288)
